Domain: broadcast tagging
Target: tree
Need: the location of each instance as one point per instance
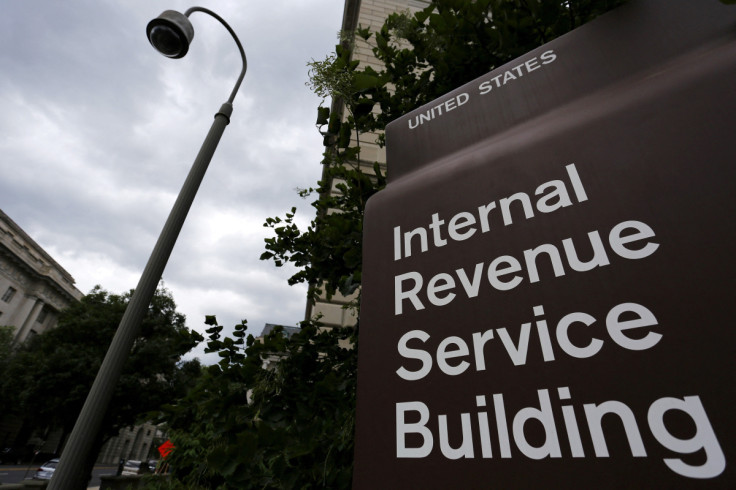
(244, 426)
(49, 376)
(6, 343)
(291, 425)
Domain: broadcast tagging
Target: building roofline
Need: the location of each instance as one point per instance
(25, 241)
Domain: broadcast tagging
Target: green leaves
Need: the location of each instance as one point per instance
(328, 251)
(249, 425)
(363, 82)
(323, 114)
(48, 378)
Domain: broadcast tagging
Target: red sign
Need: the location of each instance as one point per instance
(165, 449)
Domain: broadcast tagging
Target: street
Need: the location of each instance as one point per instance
(18, 473)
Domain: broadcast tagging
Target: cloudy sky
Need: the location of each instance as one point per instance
(98, 131)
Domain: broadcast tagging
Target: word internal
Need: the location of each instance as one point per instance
(553, 195)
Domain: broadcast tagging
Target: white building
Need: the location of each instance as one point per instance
(33, 286)
(138, 443)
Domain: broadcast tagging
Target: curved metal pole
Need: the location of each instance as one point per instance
(237, 41)
(71, 473)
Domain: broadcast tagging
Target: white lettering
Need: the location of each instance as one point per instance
(643, 232)
(443, 354)
(457, 223)
(704, 437)
(401, 295)
(440, 283)
(418, 354)
(616, 327)
(402, 429)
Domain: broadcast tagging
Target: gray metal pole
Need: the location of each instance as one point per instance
(71, 472)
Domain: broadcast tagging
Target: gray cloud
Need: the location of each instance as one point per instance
(97, 133)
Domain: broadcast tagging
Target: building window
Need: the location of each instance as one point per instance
(42, 314)
(9, 294)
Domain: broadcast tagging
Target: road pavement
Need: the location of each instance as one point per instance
(18, 473)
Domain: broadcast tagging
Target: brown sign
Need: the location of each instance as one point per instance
(549, 275)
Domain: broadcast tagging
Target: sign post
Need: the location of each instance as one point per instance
(548, 282)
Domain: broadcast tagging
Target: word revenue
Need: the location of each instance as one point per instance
(551, 196)
(413, 420)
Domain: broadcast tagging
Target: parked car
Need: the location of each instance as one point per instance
(46, 471)
(132, 467)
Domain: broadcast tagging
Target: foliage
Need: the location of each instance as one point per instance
(48, 377)
(290, 424)
(6, 342)
(452, 42)
(328, 253)
(425, 55)
(245, 426)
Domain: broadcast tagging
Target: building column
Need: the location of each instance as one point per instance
(27, 324)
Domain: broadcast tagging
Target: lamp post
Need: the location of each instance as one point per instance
(170, 34)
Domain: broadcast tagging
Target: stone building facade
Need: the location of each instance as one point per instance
(270, 360)
(139, 443)
(34, 287)
(360, 13)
